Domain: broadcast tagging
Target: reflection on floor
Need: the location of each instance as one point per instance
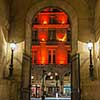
(49, 98)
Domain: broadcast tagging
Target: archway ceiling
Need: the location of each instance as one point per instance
(19, 9)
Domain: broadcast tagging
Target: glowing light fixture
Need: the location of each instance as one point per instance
(13, 47)
(51, 77)
(44, 22)
(49, 73)
(32, 77)
(91, 69)
(90, 45)
(61, 36)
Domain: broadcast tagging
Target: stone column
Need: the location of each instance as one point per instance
(26, 78)
(61, 83)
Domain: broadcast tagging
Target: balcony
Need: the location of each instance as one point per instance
(51, 26)
(49, 42)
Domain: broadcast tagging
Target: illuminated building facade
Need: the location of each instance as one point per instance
(51, 47)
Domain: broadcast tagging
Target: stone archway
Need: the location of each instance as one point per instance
(53, 3)
(26, 68)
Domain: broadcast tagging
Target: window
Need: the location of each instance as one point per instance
(35, 21)
(54, 56)
(49, 57)
(53, 20)
(68, 56)
(69, 36)
(35, 35)
(52, 35)
(35, 57)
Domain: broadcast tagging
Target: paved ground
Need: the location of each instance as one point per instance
(51, 98)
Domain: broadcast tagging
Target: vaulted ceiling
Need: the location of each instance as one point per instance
(16, 11)
(20, 7)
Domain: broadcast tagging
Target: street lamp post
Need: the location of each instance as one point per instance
(13, 46)
(56, 75)
(91, 74)
(43, 96)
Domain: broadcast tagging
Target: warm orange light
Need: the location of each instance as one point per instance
(42, 57)
(63, 22)
(43, 60)
(62, 18)
(44, 22)
(61, 54)
(44, 18)
(43, 39)
(42, 53)
(61, 62)
(39, 56)
(61, 36)
(42, 35)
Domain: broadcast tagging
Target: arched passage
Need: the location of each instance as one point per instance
(26, 71)
(38, 7)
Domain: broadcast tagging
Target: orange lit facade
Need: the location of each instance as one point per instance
(51, 47)
(50, 38)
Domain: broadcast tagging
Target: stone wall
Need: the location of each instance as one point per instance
(89, 89)
(3, 48)
(3, 52)
(9, 89)
(97, 33)
(97, 20)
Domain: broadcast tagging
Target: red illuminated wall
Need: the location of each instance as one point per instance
(42, 29)
(43, 18)
(42, 55)
(61, 34)
(42, 34)
(61, 54)
(62, 18)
